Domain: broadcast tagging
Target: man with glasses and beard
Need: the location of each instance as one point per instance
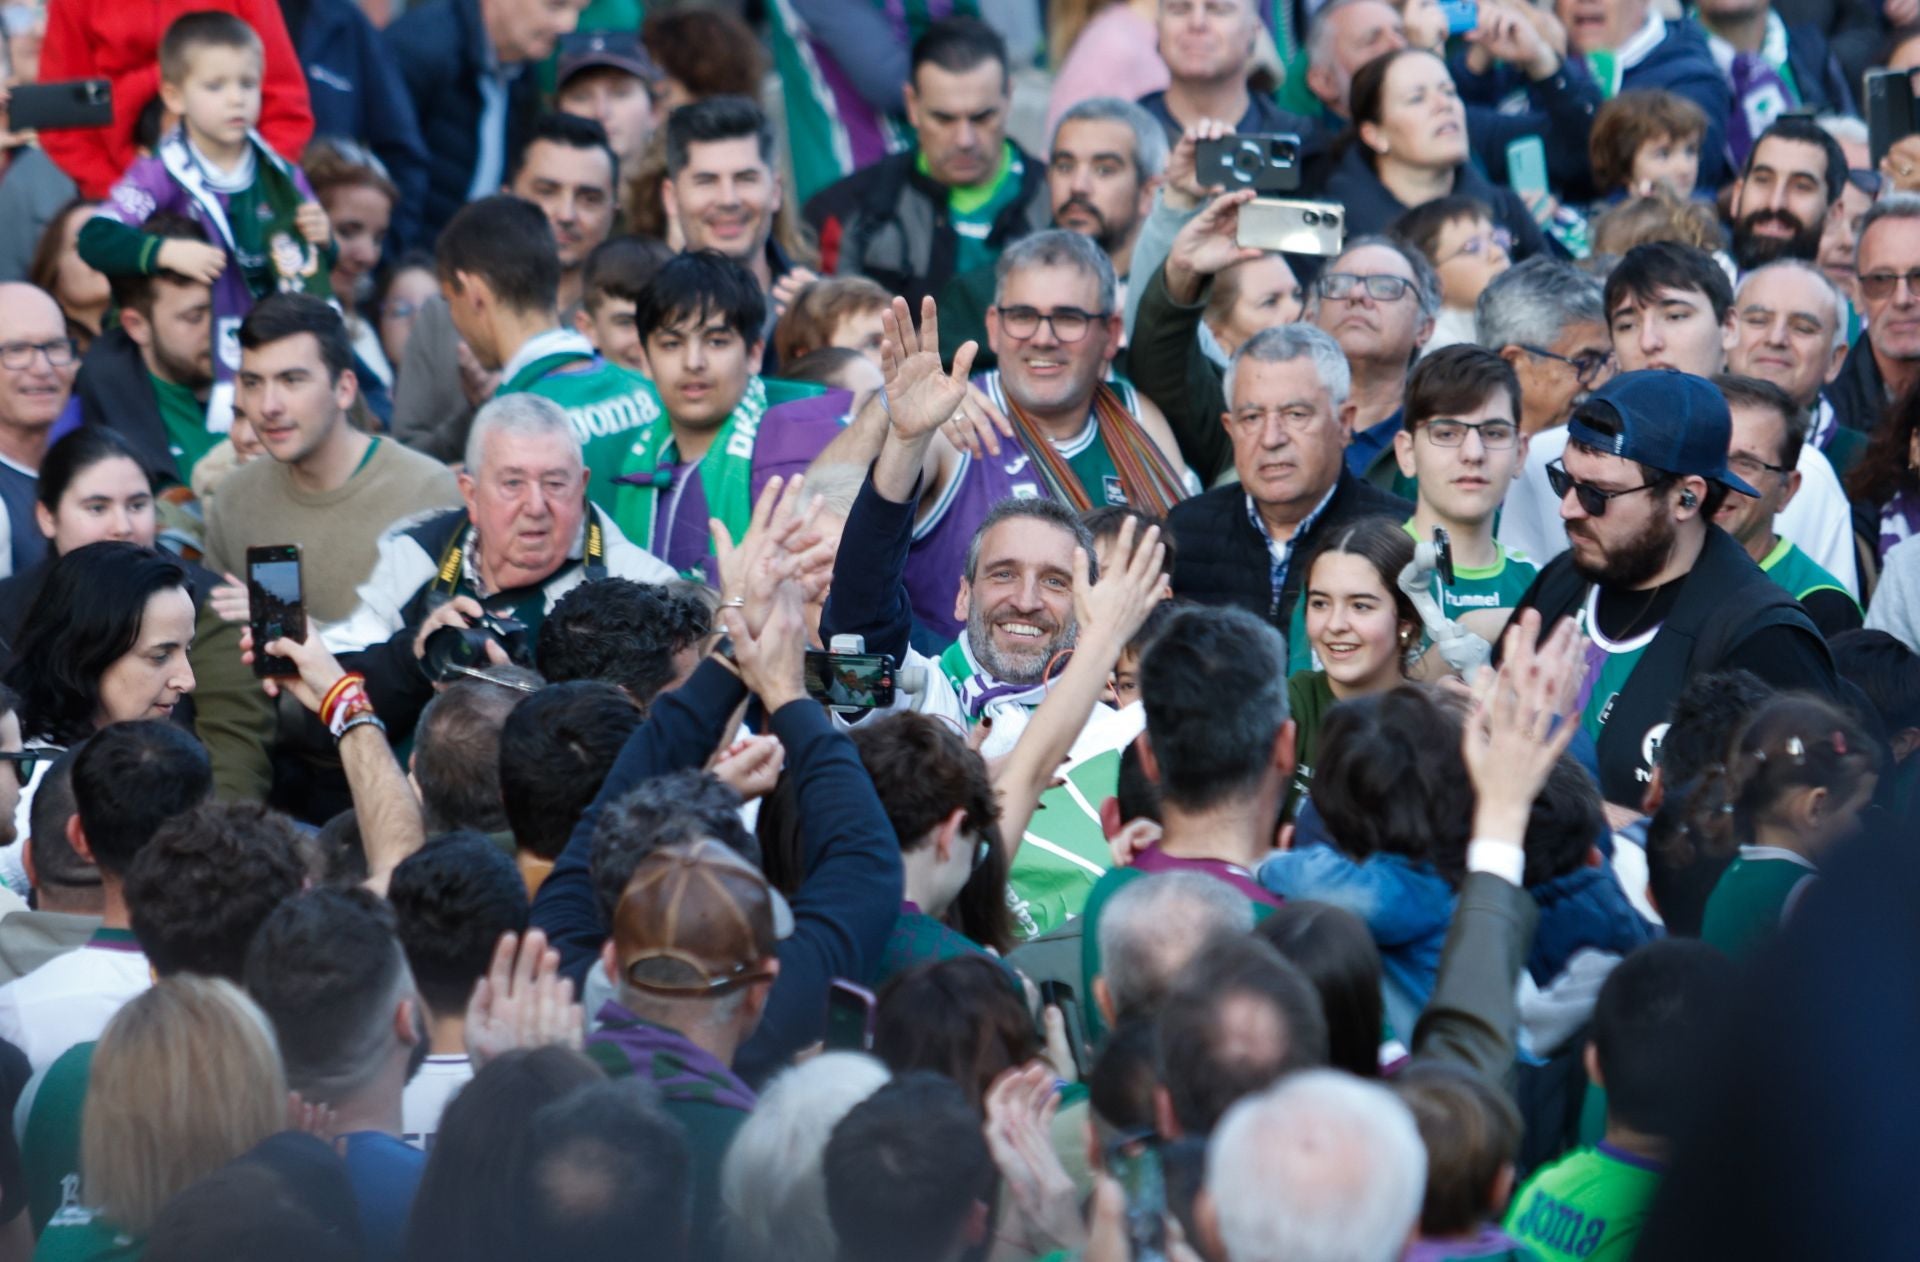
(1790, 188)
(1661, 594)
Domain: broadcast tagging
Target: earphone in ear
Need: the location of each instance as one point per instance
(1687, 499)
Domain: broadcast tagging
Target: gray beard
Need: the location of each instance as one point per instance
(1022, 668)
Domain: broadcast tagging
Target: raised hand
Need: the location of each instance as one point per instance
(1130, 586)
(920, 396)
(751, 766)
(1020, 1106)
(1208, 244)
(772, 660)
(788, 287)
(1522, 722)
(1182, 189)
(783, 544)
(522, 1001)
(1505, 35)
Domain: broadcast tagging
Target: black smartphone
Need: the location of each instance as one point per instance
(850, 681)
(1890, 112)
(849, 1017)
(275, 607)
(1265, 163)
(1057, 994)
(1443, 554)
(69, 103)
(1134, 1162)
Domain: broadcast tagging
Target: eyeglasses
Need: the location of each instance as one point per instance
(1878, 285)
(26, 762)
(1341, 285)
(1494, 435)
(1069, 324)
(1751, 467)
(1586, 366)
(1479, 244)
(1593, 499)
(60, 352)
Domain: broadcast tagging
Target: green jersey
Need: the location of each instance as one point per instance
(1309, 697)
(1753, 896)
(973, 210)
(603, 400)
(1799, 573)
(1609, 665)
(184, 415)
(1589, 1206)
(50, 1142)
(1496, 586)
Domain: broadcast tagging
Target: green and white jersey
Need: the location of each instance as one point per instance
(1610, 664)
(1589, 1206)
(1799, 573)
(1496, 586)
(1754, 896)
(604, 401)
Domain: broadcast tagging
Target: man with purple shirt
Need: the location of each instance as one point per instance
(723, 432)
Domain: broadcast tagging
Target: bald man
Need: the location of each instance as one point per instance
(37, 366)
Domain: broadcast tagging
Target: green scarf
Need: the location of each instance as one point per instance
(726, 472)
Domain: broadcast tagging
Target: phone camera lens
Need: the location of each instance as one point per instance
(1311, 218)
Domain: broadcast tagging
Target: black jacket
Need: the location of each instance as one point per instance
(1372, 207)
(889, 222)
(1728, 614)
(115, 391)
(441, 50)
(1221, 558)
(1858, 394)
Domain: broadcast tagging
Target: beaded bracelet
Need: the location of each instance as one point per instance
(350, 707)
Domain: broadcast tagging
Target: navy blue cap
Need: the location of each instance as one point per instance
(619, 50)
(1668, 420)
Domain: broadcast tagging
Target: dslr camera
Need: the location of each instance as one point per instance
(1263, 163)
(452, 652)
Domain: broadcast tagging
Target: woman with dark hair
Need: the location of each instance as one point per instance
(467, 1204)
(360, 199)
(57, 267)
(1408, 146)
(1885, 485)
(961, 1018)
(1333, 948)
(93, 490)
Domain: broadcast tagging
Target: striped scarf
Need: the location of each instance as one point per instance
(1147, 478)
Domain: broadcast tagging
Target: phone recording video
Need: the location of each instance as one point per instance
(275, 606)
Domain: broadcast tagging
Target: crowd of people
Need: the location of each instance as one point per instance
(771, 631)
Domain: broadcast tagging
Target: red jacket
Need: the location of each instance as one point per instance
(119, 40)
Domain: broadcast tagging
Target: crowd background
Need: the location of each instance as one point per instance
(876, 677)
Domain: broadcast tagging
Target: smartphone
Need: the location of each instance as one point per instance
(69, 103)
(1265, 163)
(1443, 554)
(1271, 223)
(1527, 165)
(275, 607)
(1057, 994)
(1462, 15)
(1134, 1162)
(1890, 112)
(850, 682)
(849, 1017)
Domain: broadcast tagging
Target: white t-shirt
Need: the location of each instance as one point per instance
(428, 1095)
(70, 998)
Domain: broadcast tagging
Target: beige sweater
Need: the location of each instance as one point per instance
(259, 505)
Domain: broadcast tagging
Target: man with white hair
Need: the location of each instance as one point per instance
(524, 538)
(1144, 931)
(1320, 1168)
(1287, 389)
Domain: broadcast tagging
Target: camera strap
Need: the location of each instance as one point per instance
(453, 559)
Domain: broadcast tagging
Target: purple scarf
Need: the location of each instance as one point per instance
(667, 1059)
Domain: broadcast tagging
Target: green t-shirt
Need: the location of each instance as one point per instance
(50, 1144)
(184, 414)
(974, 209)
(604, 401)
(1589, 1206)
(1497, 586)
(917, 939)
(80, 1235)
(1799, 573)
(1752, 897)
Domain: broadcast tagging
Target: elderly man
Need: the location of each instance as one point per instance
(1792, 329)
(525, 538)
(1662, 595)
(1075, 437)
(567, 169)
(1288, 387)
(1886, 362)
(37, 367)
(1377, 300)
(915, 220)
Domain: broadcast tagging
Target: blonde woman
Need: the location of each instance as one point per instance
(186, 1077)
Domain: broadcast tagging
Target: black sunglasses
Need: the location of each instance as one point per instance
(1593, 499)
(27, 761)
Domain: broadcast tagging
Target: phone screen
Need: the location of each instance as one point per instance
(1527, 165)
(275, 608)
(850, 681)
(849, 1017)
(1135, 1163)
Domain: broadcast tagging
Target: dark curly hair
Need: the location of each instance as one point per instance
(664, 811)
(200, 890)
(556, 748)
(623, 632)
(453, 899)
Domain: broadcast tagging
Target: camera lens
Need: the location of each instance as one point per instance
(1247, 160)
(1311, 218)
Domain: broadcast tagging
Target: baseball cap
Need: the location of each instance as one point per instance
(620, 50)
(697, 919)
(1668, 420)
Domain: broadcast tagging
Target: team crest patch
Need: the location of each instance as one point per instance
(1111, 488)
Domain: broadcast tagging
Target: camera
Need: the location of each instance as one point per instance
(452, 652)
(1263, 163)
